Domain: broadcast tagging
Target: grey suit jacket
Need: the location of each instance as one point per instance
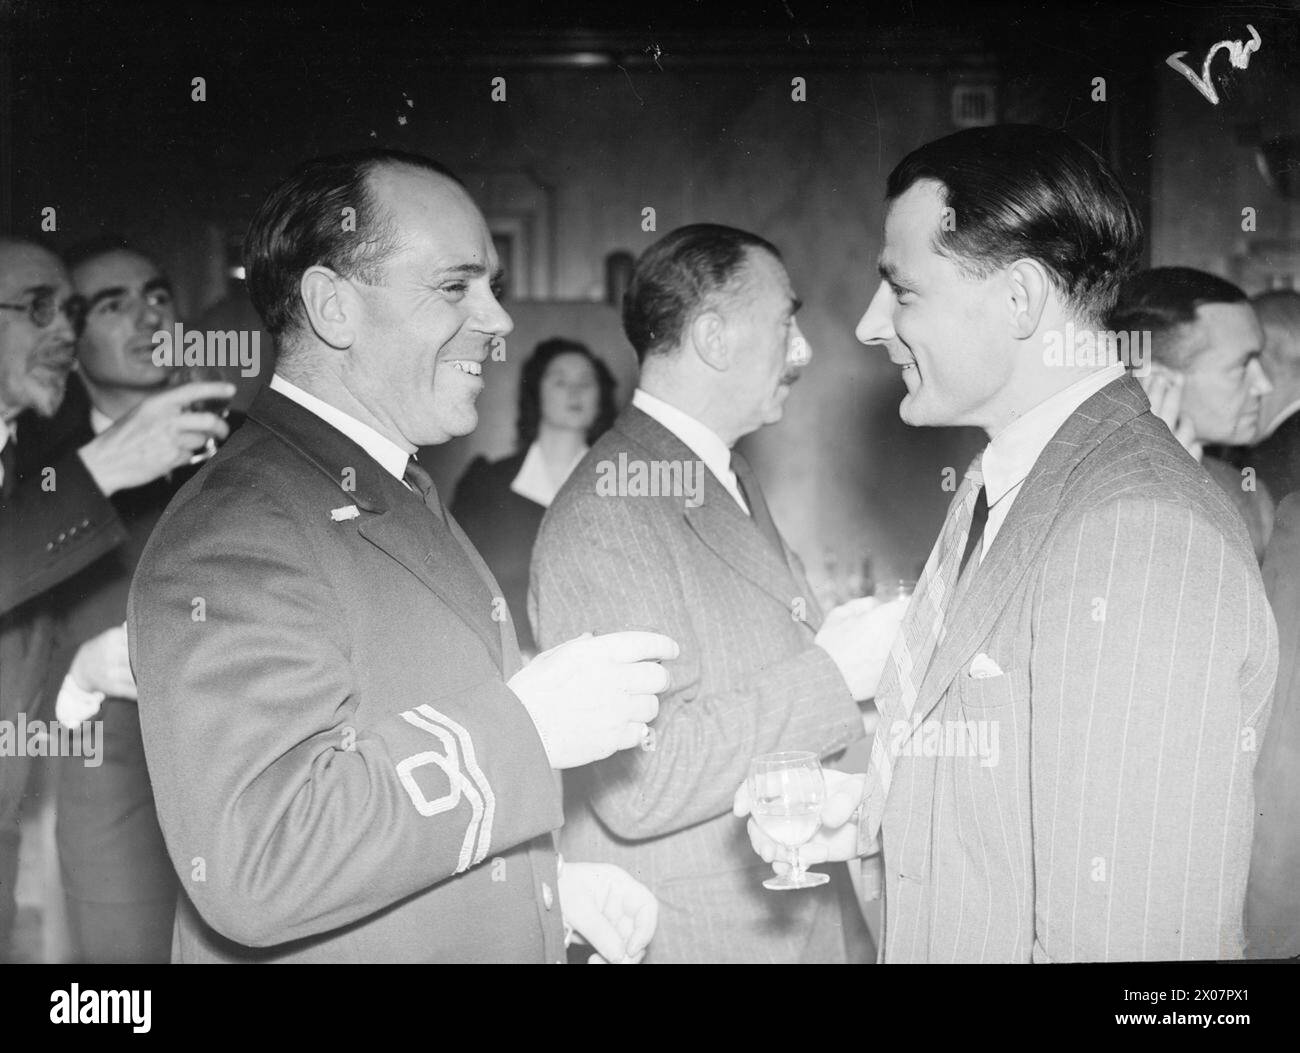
(1094, 801)
(749, 680)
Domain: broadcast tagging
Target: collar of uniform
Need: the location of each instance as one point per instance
(391, 457)
(99, 422)
(702, 440)
(1011, 454)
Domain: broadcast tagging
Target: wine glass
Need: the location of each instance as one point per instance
(786, 793)
(194, 375)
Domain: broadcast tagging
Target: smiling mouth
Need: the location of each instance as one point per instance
(474, 369)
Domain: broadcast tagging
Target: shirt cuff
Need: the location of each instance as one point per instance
(75, 704)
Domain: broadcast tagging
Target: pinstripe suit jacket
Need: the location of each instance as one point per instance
(1123, 605)
(749, 680)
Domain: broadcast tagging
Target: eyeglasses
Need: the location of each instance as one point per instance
(42, 308)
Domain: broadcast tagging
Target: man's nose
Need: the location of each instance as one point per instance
(877, 323)
(1260, 384)
(494, 319)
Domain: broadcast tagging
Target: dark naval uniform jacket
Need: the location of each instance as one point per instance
(341, 772)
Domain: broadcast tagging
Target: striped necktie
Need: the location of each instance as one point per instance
(914, 647)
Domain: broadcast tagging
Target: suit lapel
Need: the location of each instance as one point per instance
(720, 523)
(392, 518)
(1014, 551)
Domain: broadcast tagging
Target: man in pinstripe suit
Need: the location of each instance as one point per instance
(1093, 598)
(710, 312)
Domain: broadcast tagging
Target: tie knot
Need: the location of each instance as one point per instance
(975, 473)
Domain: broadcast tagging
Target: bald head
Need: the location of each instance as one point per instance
(36, 338)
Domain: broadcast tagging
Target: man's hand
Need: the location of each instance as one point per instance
(835, 841)
(1165, 390)
(609, 909)
(103, 664)
(858, 635)
(594, 695)
(156, 437)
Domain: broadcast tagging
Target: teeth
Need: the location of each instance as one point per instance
(474, 369)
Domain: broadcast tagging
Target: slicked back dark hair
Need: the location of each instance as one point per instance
(300, 224)
(1162, 300)
(678, 276)
(1021, 191)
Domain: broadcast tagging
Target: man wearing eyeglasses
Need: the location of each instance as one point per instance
(55, 514)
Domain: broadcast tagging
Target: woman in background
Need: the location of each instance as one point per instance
(566, 401)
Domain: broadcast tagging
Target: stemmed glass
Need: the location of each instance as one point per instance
(786, 793)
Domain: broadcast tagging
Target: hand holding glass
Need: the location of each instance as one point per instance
(786, 793)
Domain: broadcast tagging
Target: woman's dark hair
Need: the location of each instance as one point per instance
(1018, 190)
(530, 390)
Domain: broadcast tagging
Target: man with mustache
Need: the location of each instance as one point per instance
(348, 760)
(1091, 594)
(55, 514)
(1206, 381)
(711, 314)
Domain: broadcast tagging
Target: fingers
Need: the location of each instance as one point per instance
(636, 647)
(643, 678)
(643, 927)
(600, 932)
(642, 709)
(840, 806)
(199, 391)
(740, 805)
(631, 736)
(207, 424)
(764, 847)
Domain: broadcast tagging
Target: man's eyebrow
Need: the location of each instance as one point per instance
(157, 285)
(38, 290)
(469, 270)
(891, 273)
(106, 294)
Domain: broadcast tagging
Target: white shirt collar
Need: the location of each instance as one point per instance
(1011, 454)
(99, 422)
(391, 457)
(699, 438)
(534, 481)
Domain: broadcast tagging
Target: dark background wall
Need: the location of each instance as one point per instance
(690, 114)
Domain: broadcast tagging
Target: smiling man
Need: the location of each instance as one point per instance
(348, 761)
(1091, 595)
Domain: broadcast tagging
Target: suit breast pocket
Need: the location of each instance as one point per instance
(991, 692)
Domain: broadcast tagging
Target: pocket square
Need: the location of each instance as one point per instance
(983, 667)
(339, 515)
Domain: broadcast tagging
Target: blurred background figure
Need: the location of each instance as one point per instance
(566, 402)
(1276, 453)
(1206, 381)
(118, 882)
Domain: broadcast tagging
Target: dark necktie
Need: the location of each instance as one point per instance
(422, 482)
(753, 495)
(976, 536)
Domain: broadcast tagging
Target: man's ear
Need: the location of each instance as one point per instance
(709, 338)
(330, 306)
(1028, 290)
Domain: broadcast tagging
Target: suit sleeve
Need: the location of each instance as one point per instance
(1152, 663)
(48, 535)
(291, 804)
(597, 567)
(1273, 895)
